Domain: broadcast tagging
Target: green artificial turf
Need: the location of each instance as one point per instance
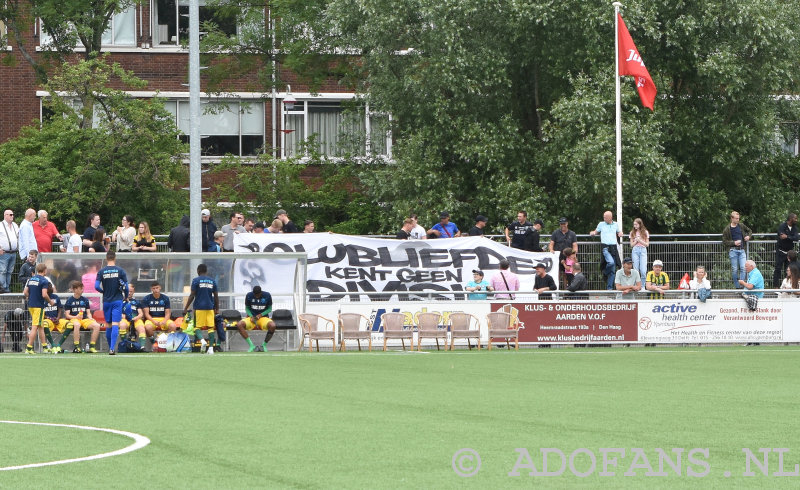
(372, 420)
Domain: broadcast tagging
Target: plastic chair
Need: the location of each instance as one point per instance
(428, 328)
(315, 327)
(350, 328)
(394, 328)
(461, 327)
(499, 323)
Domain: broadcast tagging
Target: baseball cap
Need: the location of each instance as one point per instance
(444, 214)
(205, 212)
(477, 271)
(562, 220)
(280, 212)
(481, 217)
(218, 234)
(538, 222)
(540, 264)
(658, 262)
(627, 260)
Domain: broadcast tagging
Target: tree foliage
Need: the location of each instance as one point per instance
(127, 161)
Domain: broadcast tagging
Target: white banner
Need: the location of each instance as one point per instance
(717, 321)
(353, 264)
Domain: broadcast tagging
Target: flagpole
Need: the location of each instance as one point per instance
(617, 5)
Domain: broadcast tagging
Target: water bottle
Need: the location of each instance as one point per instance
(87, 347)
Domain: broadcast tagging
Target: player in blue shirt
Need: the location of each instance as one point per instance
(53, 320)
(156, 311)
(132, 315)
(37, 293)
(78, 312)
(112, 281)
(257, 305)
(206, 303)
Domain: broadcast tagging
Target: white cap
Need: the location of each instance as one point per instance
(658, 262)
(205, 212)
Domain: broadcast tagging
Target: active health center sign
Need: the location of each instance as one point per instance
(355, 265)
(655, 321)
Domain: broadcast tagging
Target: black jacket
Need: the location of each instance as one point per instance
(179, 236)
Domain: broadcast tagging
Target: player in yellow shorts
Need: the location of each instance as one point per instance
(156, 308)
(132, 313)
(205, 296)
(77, 310)
(53, 321)
(37, 293)
(258, 305)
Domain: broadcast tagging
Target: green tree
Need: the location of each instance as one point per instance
(126, 162)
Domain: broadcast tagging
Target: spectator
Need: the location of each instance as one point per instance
(787, 235)
(735, 237)
(9, 242)
(418, 232)
(504, 280)
(701, 284)
(231, 229)
(609, 259)
(478, 283)
(792, 280)
(516, 231)
(480, 224)
(99, 243)
(259, 227)
(178, 240)
(93, 224)
(308, 226)
(579, 283)
(640, 240)
(73, 242)
(27, 239)
(405, 231)
(16, 322)
(288, 226)
(124, 234)
(562, 238)
(209, 228)
(28, 268)
(275, 227)
(249, 224)
(45, 231)
(628, 280)
(144, 241)
(569, 262)
(543, 282)
(444, 228)
(754, 282)
(657, 280)
(219, 241)
(533, 237)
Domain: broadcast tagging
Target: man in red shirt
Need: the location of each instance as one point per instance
(45, 231)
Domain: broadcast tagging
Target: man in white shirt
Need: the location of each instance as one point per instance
(417, 232)
(74, 241)
(9, 243)
(27, 239)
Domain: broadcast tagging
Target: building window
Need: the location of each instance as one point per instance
(332, 129)
(171, 20)
(226, 128)
(121, 30)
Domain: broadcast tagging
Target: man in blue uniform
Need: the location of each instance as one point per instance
(36, 292)
(258, 305)
(112, 281)
(205, 295)
(157, 311)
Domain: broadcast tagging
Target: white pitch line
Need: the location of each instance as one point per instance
(140, 441)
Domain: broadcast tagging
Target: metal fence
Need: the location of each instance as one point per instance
(680, 254)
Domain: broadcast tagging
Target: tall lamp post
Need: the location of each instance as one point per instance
(195, 175)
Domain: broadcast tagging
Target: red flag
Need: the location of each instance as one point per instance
(630, 63)
(684, 282)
